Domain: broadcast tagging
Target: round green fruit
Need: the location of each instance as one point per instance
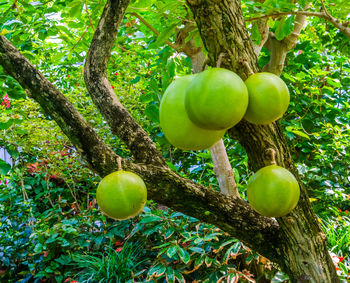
(177, 127)
(121, 195)
(268, 98)
(216, 99)
(273, 191)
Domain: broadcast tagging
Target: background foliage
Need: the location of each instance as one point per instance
(51, 229)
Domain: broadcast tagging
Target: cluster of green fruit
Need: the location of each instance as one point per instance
(196, 110)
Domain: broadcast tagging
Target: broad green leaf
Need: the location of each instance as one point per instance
(184, 255)
(171, 251)
(288, 25)
(152, 112)
(6, 124)
(279, 33)
(4, 167)
(164, 35)
(151, 218)
(75, 8)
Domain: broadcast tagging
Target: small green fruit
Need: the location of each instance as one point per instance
(216, 99)
(273, 191)
(121, 195)
(268, 98)
(177, 127)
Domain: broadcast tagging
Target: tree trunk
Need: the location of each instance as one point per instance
(304, 255)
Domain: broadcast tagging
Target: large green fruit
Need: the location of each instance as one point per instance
(216, 99)
(176, 125)
(268, 98)
(121, 195)
(273, 191)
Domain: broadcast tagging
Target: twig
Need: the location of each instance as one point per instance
(147, 24)
(246, 64)
(218, 63)
(275, 15)
(205, 64)
(81, 37)
(343, 27)
(119, 160)
(87, 12)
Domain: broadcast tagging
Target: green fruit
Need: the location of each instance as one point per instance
(121, 195)
(273, 191)
(268, 98)
(216, 99)
(176, 125)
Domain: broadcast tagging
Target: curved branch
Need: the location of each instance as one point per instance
(122, 124)
(164, 186)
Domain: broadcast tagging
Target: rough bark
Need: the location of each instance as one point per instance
(163, 185)
(305, 256)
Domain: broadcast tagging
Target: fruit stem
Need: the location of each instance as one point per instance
(119, 160)
(218, 63)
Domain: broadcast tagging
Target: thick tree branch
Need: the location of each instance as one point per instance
(95, 74)
(164, 186)
(280, 48)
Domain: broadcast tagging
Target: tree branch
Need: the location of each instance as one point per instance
(280, 48)
(324, 15)
(122, 124)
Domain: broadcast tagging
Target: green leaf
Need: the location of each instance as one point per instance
(297, 132)
(141, 4)
(171, 251)
(150, 219)
(136, 80)
(6, 125)
(256, 36)
(152, 112)
(164, 35)
(271, 22)
(75, 8)
(284, 27)
(12, 150)
(4, 167)
(236, 174)
(288, 25)
(184, 255)
(279, 33)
